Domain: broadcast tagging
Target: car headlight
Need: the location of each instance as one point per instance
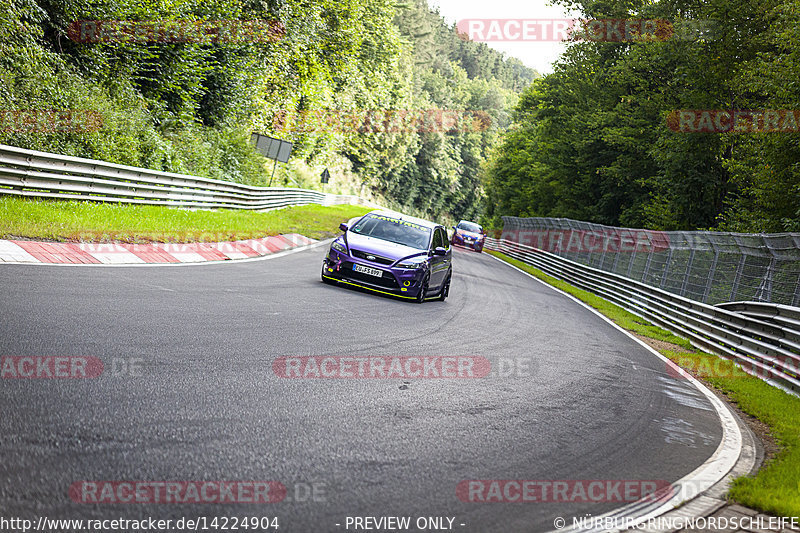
(339, 247)
(412, 265)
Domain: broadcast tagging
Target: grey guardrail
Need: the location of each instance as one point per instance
(41, 174)
(782, 315)
(769, 350)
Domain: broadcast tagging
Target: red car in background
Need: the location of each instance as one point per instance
(469, 234)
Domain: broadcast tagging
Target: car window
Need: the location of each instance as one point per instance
(437, 239)
(393, 230)
(469, 226)
(443, 236)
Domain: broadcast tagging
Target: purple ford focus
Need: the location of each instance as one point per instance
(392, 254)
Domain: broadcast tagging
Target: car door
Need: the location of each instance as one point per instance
(439, 263)
(448, 258)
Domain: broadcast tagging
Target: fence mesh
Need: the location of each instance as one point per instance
(710, 267)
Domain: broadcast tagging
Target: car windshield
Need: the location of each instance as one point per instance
(469, 226)
(394, 230)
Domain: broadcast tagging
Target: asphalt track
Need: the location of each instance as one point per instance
(206, 405)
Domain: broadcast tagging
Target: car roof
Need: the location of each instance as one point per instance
(401, 216)
(471, 222)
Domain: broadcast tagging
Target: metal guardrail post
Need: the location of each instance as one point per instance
(667, 267)
(737, 277)
(647, 264)
(764, 292)
(685, 283)
(796, 297)
(632, 260)
(616, 261)
(605, 252)
(711, 274)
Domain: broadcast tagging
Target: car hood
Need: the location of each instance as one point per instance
(380, 247)
(470, 234)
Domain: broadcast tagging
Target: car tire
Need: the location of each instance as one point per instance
(423, 289)
(445, 292)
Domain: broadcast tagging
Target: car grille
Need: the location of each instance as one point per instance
(388, 280)
(378, 259)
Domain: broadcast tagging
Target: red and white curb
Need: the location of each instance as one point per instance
(14, 251)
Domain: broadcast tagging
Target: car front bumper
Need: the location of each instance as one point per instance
(405, 283)
(461, 241)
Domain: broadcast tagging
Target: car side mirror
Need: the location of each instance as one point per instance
(343, 226)
(439, 250)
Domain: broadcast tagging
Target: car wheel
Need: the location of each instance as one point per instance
(423, 289)
(445, 288)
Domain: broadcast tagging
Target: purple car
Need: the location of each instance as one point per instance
(391, 254)
(470, 235)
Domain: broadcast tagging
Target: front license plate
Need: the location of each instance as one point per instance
(367, 270)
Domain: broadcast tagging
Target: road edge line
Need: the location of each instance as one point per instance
(707, 475)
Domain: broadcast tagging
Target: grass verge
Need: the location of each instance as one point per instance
(775, 489)
(58, 220)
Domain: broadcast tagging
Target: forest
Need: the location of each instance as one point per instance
(159, 96)
(597, 139)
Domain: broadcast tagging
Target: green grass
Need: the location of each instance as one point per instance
(775, 489)
(57, 220)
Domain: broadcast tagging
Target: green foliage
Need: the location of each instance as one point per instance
(591, 140)
(190, 106)
(442, 171)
